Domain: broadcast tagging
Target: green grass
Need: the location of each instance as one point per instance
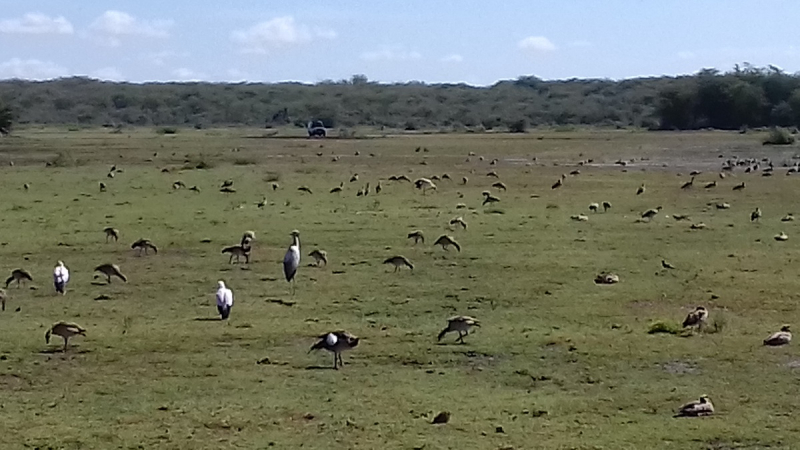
(153, 372)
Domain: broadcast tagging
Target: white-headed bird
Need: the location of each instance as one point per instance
(61, 278)
(336, 342)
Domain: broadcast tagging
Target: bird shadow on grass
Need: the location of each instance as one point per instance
(208, 319)
(315, 367)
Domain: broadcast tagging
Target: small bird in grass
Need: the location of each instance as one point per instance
(606, 206)
(378, 188)
(241, 250)
(781, 237)
(227, 183)
(224, 300)
(66, 330)
(558, 183)
(228, 190)
(291, 260)
(666, 265)
(144, 245)
(262, 203)
(178, 185)
(111, 233)
(698, 408)
(493, 174)
(460, 324)
(696, 318)
(354, 178)
(739, 186)
(680, 217)
(18, 275)
(275, 186)
(710, 185)
(446, 241)
(320, 256)
(499, 185)
(2, 300)
(782, 337)
(593, 207)
(305, 189)
(640, 190)
(111, 269)
(688, 184)
(417, 236)
(336, 342)
(102, 187)
(338, 188)
(755, 215)
(194, 189)
(398, 262)
(61, 278)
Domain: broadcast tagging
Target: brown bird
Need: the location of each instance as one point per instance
(336, 342)
(666, 265)
(640, 190)
(18, 275)
(102, 187)
(606, 206)
(398, 262)
(66, 330)
(696, 318)
(417, 236)
(111, 269)
(493, 174)
(650, 213)
(178, 185)
(460, 324)
(698, 408)
(144, 244)
(227, 190)
(711, 185)
(111, 233)
(688, 184)
(558, 183)
(739, 186)
(305, 189)
(782, 337)
(755, 215)
(320, 256)
(446, 241)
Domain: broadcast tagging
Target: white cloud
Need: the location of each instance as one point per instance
(536, 44)
(31, 69)
(390, 55)
(112, 26)
(277, 34)
(163, 57)
(36, 23)
(454, 58)
(184, 74)
(107, 74)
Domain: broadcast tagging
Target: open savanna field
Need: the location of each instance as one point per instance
(558, 362)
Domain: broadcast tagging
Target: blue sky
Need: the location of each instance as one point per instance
(433, 41)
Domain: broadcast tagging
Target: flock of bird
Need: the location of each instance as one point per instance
(340, 341)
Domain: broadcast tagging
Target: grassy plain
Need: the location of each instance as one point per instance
(558, 363)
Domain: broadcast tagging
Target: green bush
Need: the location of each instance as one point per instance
(664, 327)
(779, 136)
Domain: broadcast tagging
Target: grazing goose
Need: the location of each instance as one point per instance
(291, 260)
(111, 233)
(593, 207)
(696, 318)
(787, 218)
(710, 185)
(606, 206)
(688, 184)
(446, 241)
(739, 186)
(61, 278)
(641, 190)
(18, 275)
(398, 262)
(698, 408)
(144, 244)
(460, 324)
(782, 337)
(417, 236)
(489, 198)
(305, 189)
(66, 330)
(459, 221)
(650, 213)
(354, 178)
(781, 237)
(227, 183)
(111, 269)
(320, 256)
(338, 188)
(755, 215)
(559, 182)
(666, 265)
(238, 251)
(499, 185)
(336, 342)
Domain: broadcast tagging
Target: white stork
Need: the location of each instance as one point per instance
(61, 277)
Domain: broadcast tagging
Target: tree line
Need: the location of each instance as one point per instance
(745, 96)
